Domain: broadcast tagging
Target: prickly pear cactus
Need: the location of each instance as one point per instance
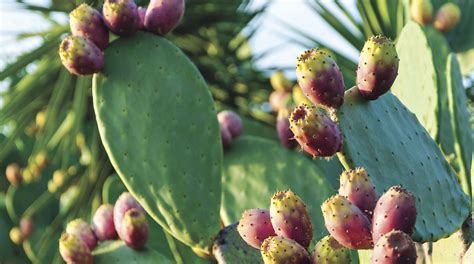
(117, 252)
(255, 168)
(229, 247)
(384, 137)
(158, 124)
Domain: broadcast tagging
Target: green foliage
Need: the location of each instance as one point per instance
(118, 252)
(229, 247)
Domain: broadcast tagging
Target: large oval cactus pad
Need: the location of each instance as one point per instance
(158, 124)
(386, 138)
(256, 168)
(117, 252)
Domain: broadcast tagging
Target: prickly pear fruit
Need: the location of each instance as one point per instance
(299, 97)
(226, 138)
(320, 78)
(378, 67)
(80, 56)
(162, 16)
(134, 228)
(124, 203)
(280, 250)
(16, 236)
(329, 251)
(395, 210)
(347, 223)
(421, 11)
(447, 17)
(279, 82)
(285, 135)
(290, 218)
(83, 231)
(357, 186)
(279, 100)
(121, 16)
(13, 174)
(316, 133)
(141, 15)
(394, 247)
(26, 226)
(88, 23)
(231, 121)
(255, 226)
(103, 223)
(74, 250)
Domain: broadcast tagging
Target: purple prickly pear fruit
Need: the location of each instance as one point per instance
(395, 210)
(103, 223)
(141, 15)
(162, 16)
(121, 17)
(226, 138)
(80, 56)
(281, 250)
(124, 203)
(347, 223)
(255, 226)
(290, 218)
(421, 11)
(378, 67)
(395, 247)
(13, 174)
(279, 100)
(447, 17)
(329, 251)
(231, 121)
(83, 231)
(320, 78)
(285, 135)
(316, 133)
(73, 250)
(88, 23)
(26, 226)
(134, 228)
(279, 82)
(357, 186)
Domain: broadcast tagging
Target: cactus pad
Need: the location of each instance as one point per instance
(229, 247)
(158, 124)
(117, 252)
(384, 137)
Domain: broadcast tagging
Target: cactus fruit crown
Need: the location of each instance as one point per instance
(134, 217)
(328, 251)
(398, 240)
(277, 249)
(69, 48)
(381, 49)
(399, 189)
(337, 203)
(304, 115)
(83, 12)
(71, 241)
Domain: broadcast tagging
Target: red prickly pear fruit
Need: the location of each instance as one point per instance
(13, 174)
(357, 186)
(378, 67)
(88, 23)
(124, 203)
(329, 251)
(316, 133)
(290, 218)
(141, 15)
(83, 231)
(255, 226)
(394, 247)
(134, 228)
(103, 223)
(347, 223)
(26, 226)
(226, 138)
(279, 100)
(162, 16)
(80, 56)
(279, 82)
(447, 17)
(285, 135)
(231, 121)
(281, 250)
(121, 17)
(395, 210)
(421, 11)
(73, 250)
(320, 78)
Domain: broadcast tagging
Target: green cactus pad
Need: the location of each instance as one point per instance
(229, 247)
(158, 124)
(117, 252)
(256, 168)
(384, 137)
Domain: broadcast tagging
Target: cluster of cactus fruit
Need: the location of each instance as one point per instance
(446, 18)
(356, 218)
(82, 52)
(17, 175)
(126, 218)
